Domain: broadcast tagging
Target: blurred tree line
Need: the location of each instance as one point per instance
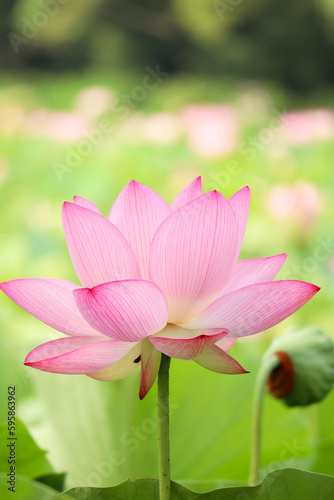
(289, 42)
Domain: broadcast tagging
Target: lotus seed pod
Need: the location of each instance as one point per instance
(305, 374)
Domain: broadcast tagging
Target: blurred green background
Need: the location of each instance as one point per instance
(94, 94)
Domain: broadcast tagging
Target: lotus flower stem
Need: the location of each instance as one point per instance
(260, 387)
(163, 422)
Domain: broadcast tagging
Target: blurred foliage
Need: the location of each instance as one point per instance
(290, 483)
(30, 461)
(288, 42)
(30, 490)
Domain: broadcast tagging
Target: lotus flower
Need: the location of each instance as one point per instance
(212, 130)
(308, 126)
(156, 279)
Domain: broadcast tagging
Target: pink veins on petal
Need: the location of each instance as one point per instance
(156, 279)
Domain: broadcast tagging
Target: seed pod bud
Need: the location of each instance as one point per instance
(305, 373)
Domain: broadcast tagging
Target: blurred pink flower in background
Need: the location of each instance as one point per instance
(157, 128)
(156, 279)
(305, 127)
(212, 130)
(94, 101)
(161, 128)
(62, 126)
(301, 202)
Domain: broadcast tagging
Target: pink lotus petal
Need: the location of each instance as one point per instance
(177, 342)
(82, 202)
(226, 343)
(255, 308)
(189, 193)
(76, 355)
(192, 254)
(99, 252)
(150, 364)
(137, 213)
(240, 203)
(250, 271)
(126, 310)
(219, 361)
(51, 301)
(122, 368)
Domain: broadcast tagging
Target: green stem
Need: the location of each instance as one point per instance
(268, 365)
(163, 429)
